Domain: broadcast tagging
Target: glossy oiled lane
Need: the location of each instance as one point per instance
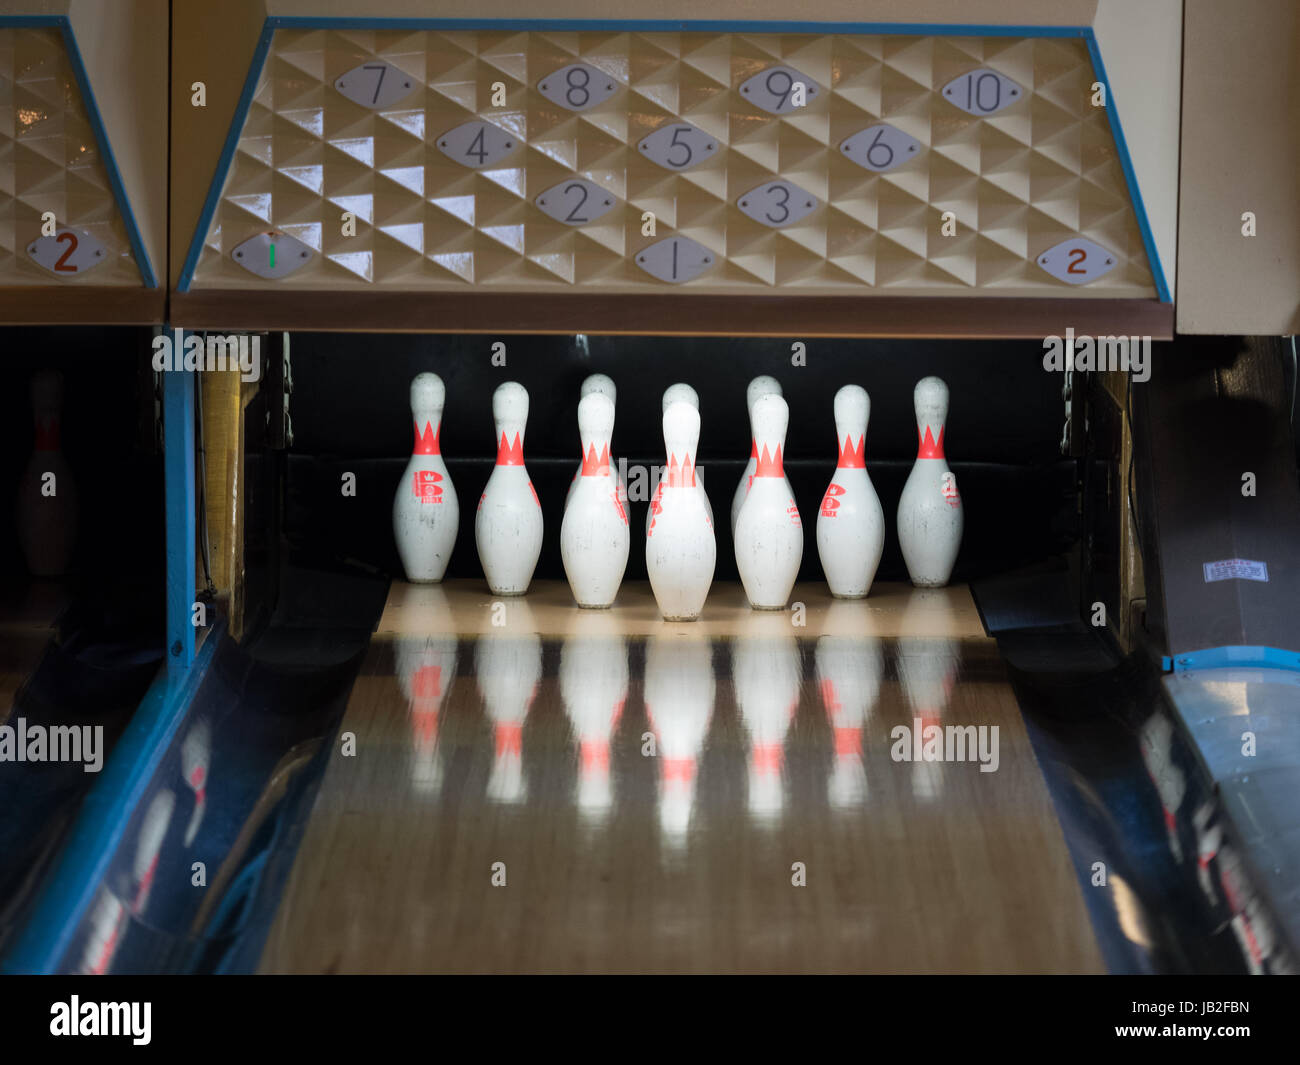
(652, 795)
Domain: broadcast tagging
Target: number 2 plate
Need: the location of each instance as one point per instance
(881, 147)
(577, 86)
(1078, 261)
(477, 144)
(375, 85)
(678, 146)
(68, 253)
(777, 203)
(982, 92)
(575, 202)
(773, 90)
(675, 259)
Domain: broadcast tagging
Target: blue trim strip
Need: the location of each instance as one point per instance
(1233, 656)
(178, 478)
(227, 156)
(105, 816)
(106, 153)
(275, 22)
(1130, 175)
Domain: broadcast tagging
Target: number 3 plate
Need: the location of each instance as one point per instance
(68, 253)
(477, 144)
(777, 203)
(881, 147)
(1077, 261)
(577, 86)
(575, 202)
(678, 146)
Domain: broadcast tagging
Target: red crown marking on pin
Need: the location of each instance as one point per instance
(753, 448)
(848, 741)
(830, 698)
(929, 447)
(595, 755)
(679, 475)
(510, 739)
(593, 464)
(424, 725)
(769, 465)
(426, 440)
(510, 454)
(426, 683)
(853, 457)
(766, 758)
(682, 769)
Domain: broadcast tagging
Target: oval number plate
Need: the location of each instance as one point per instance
(675, 259)
(678, 146)
(577, 86)
(576, 202)
(272, 255)
(67, 253)
(477, 144)
(982, 92)
(375, 85)
(777, 203)
(880, 148)
(779, 90)
(1078, 261)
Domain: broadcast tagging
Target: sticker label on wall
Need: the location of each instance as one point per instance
(777, 203)
(983, 92)
(778, 90)
(477, 144)
(1236, 569)
(376, 84)
(576, 202)
(675, 259)
(1078, 261)
(881, 147)
(678, 146)
(577, 87)
(272, 255)
(67, 253)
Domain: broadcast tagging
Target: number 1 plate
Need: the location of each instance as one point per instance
(477, 144)
(678, 146)
(880, 148)
(575, 202)
(577, 86)
(675, 259)
(67, 253)
(272, 255)
(1077, 261)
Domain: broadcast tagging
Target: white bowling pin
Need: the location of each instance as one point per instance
(598, 382)
(929, 512)
(766, 675)
(426, 513)
(593, 687)
(851, 522)
(769, 534)
(674, 394)
(426, 669)
(47, 498)
(759, 386)
(509, 668)
(594, 539)
(679, 691)
(680, 550)
(196, 758)
(508, 525)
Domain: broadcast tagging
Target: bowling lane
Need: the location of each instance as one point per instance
(538, 788)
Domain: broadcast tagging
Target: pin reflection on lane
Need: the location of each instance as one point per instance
(928, 660)
(848, 678)
(426, 671)
(766, 675)
(679, 692)
(509, 667)
(593, 687)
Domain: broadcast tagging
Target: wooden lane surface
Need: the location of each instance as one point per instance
(683, 862)
(26, 627)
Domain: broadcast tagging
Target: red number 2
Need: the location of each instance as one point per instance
(71, 239)
(1077, 256)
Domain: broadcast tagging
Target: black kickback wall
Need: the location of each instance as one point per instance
(351, 413)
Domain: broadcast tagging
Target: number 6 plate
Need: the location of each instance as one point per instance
(577, 86)
(67, 253)
(881, 147)
(678, 146)
(477, 144)
(1077, 261)
(575, 202)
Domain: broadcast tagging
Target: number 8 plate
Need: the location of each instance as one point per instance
(577, 87)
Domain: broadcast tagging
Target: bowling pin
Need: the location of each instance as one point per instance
(851, 522)
(426, 513)
(594, 538)
(598, 382)
(929, 512)
(759, 386)
(47, 498)
(196, 755)
(674, 394)
(679, 691)
(593, 687)
(769, 534)
(508, 525)
(680, 550)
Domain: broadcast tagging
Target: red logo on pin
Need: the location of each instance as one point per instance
(424, 483)
(830, 504)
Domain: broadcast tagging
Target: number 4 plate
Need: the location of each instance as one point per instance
(67, 253)
(477, 144)
(1077, 261)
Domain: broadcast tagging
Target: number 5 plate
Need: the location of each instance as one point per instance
(678, 146)
(477, 144)
(1078, 261)
(67, 253)
(881, 147)
(575, 202)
